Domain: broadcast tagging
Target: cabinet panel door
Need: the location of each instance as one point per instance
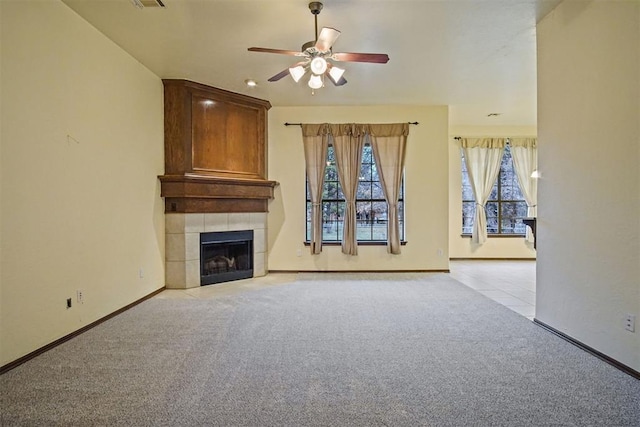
(227, 138)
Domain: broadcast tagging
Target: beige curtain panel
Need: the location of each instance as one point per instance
(524, 152)
(315, 138)
(483, 157)
(348, 141)
(389, 144)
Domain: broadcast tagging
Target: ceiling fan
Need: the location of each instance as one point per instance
(316, 56)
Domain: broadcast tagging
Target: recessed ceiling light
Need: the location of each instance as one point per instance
(251, 83)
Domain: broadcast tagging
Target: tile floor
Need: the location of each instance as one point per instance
(511, 283)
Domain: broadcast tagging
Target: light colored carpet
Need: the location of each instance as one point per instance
(368, 350)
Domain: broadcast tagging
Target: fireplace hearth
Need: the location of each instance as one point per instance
(226, 256)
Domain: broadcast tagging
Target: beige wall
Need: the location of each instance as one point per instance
(426, 174)
(588, 270)
(495, 247)
(82, 145)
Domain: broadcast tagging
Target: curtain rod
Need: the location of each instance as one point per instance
(300, 124)
(508, 140)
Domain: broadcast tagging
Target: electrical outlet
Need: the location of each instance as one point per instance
(630, 322)
(79, 297)
(140, 273)
(68, 303)
(299, 252)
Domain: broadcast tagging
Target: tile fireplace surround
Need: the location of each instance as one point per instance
(182, 234)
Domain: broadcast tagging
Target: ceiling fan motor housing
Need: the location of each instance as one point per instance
(315, 7)
(307, 45)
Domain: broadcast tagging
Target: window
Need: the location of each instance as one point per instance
(506, 206)
(371, 206)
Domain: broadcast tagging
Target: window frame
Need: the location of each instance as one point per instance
(499, 201)
(340, 202)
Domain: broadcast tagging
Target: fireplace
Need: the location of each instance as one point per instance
(226, 256)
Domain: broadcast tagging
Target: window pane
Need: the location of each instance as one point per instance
(341, 205)
(367, 154)
(374, 173)
(379, 230)
(492, 209)
(509, 209)
(376, 191)
(520, 227)
(401, 219)
(508, 225)
(492, 225)
(363, 212)
(494, 192)
(364, 190)
(517, 192)
(329, 230)
(379, 211)
(330, 220)
(331, 173)
(308, 222)
(467, 192)
(339, 231)
(365, 171)
(521, 211)
(363, 230)
(468, 211)
(506, 186)
(330, 190)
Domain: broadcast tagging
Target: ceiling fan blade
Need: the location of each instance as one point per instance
(280, 75)
(280, 51)
(378, 58)
(340, 82)
(326, 39)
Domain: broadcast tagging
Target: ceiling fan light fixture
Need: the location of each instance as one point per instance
(315, 82)
(297, 73)
(336, 73)
(318, 65)
(318, 56)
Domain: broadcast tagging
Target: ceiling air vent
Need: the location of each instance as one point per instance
(140, 4)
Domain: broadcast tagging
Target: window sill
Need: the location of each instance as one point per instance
(360, 243)
(500, 236)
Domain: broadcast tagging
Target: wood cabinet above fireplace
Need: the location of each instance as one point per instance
(215, 150)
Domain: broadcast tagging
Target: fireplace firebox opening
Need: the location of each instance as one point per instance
(226, 256)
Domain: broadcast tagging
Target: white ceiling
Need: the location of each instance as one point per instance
(478, 56)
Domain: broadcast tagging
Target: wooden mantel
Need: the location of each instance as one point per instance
(215, 150)
(197, 194)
